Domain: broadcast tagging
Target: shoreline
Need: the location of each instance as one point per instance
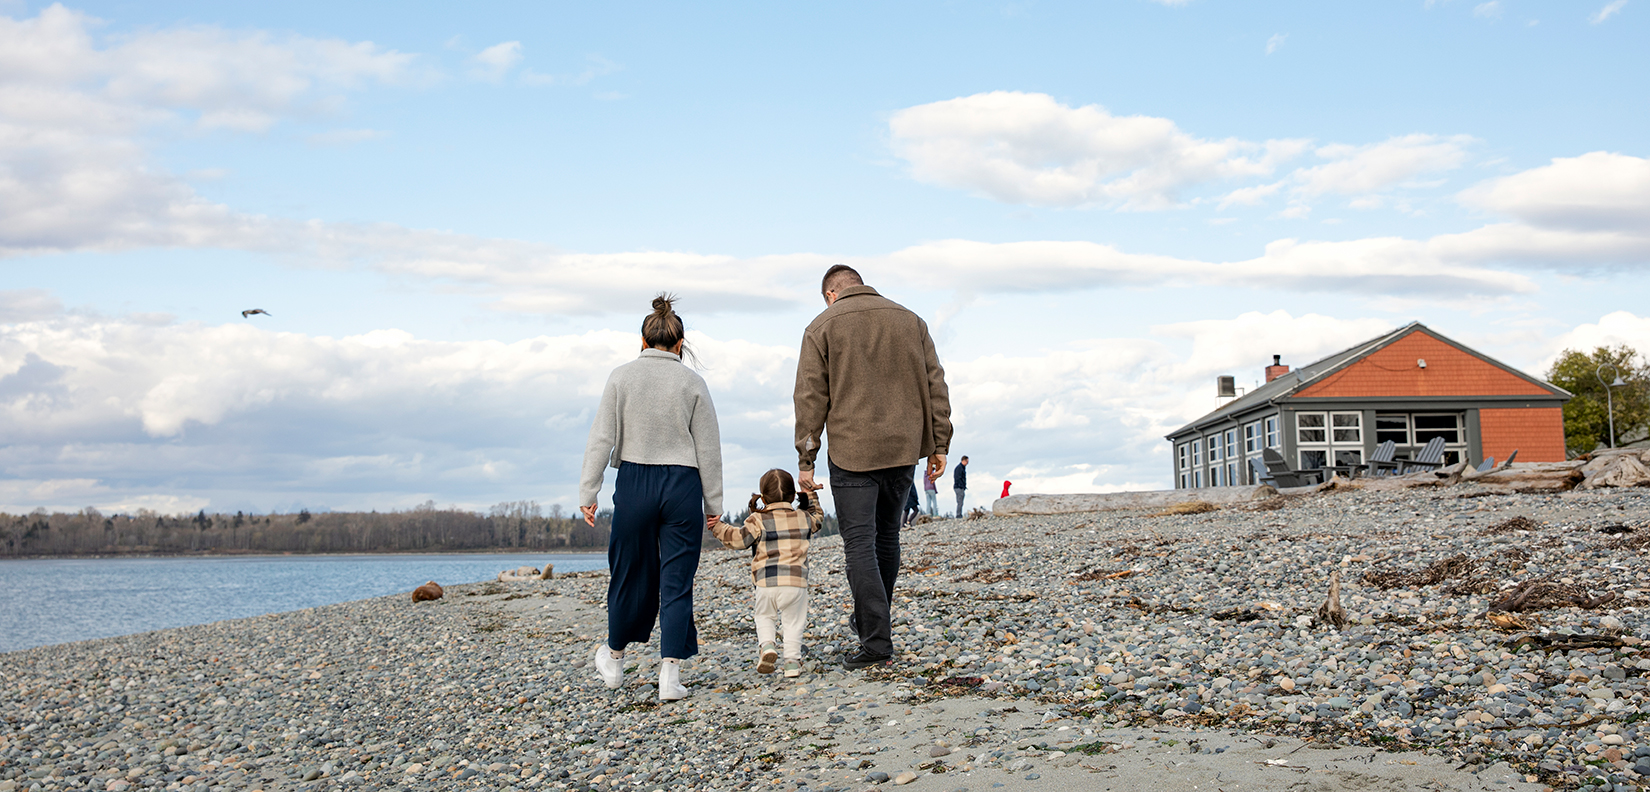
(1085, 650)
(260, 554)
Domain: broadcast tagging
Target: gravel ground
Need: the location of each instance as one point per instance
(1101, 651)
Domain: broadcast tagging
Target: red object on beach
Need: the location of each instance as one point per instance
(1005, 489)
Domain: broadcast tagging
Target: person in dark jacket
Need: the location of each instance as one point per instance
(913, 507)
(959, 483)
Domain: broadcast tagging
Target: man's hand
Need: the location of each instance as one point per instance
(711, 520)
(805, 480)
(589, 514)
(936, 466)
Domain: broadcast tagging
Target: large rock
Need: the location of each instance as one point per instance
(428, 591)
(1154, 500)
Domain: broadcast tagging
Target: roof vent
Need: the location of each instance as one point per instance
(1225, 387)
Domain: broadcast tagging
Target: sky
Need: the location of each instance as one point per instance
(456, 217)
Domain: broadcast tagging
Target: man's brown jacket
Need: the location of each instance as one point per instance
(868, 371)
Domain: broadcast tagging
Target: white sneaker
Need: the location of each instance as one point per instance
(611, 668)
(670, 682)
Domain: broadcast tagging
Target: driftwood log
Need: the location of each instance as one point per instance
(1331, 612)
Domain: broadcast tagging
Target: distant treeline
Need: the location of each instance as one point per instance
(520, 525)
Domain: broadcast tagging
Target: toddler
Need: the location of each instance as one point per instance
(777, 535)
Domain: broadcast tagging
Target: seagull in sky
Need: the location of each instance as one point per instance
(245, 314)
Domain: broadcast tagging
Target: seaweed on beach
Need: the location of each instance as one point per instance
(1511, 525)
(1455, 567)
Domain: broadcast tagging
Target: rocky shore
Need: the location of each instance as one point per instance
(1115, 650)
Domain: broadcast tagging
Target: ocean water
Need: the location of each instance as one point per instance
(59, 600)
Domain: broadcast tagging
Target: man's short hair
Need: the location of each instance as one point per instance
(965, 457)
(840, 277)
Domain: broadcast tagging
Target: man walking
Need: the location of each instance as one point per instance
(959, 484)
(868, 376)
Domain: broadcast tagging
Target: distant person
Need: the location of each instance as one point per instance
(657, 425)
(959, 484)
(929, 489)
(778, 537)
(869, 374)
(912, 507)
(1005, 490)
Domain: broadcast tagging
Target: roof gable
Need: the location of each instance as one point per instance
(1392, 369)
(1462, 371)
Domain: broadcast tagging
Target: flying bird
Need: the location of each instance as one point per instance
(245, 314)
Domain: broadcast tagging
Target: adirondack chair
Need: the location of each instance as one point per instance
(1510, 458)
(1431, 457)
(1282, 475)
(1380, 463)
(1486, 465)
(1258, 474)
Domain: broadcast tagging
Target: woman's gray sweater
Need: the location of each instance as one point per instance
(655, 411)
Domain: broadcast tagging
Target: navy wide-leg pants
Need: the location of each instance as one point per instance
(653, 552)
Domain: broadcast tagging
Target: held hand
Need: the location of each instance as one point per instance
(936, 466)
(805, 480)
(711, 521)
(589, 514)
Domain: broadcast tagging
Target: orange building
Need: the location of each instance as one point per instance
(1407, 386)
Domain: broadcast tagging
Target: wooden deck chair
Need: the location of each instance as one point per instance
(1486, 465)
(1431, 457)
(1283, 476)
(1380, 462)
(1258, 474)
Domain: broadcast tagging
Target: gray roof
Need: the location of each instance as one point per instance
(1301, 377)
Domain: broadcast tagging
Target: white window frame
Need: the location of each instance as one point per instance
(1342, 442)
(1273, 440)
(1197, 452)
(1251, 439)
(1214, 448)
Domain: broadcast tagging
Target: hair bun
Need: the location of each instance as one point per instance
(663, 303)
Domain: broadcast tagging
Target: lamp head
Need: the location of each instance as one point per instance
(1618, 383)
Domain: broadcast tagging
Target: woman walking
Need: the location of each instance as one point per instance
(657, 425)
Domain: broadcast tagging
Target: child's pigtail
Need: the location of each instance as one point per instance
(754, 499)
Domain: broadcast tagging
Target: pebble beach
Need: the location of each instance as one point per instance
(1115, 650)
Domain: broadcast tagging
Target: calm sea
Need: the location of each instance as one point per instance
(59, 600)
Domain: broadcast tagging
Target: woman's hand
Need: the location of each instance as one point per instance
(589, 514)
(711, 520)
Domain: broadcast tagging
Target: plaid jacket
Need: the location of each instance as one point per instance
(778, 539)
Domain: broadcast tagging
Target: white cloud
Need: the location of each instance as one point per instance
(1609, 10)
(1577, 211)
(346, 137)
(1612, 329)
(114, 410)
(1275, 42)
(1490, 10)
(496, 61)
(1028, 148)
(1359, 170)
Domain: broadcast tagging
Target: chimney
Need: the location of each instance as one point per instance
(1277, 369)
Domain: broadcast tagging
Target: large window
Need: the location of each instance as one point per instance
(1410, 431)
(1232, 474)
(1324, 436)
(1231, 443)
(1251, 439)
(1197, 478)
(1214, 448)
(1272, 439)
(1197, 454)
(1214, 477)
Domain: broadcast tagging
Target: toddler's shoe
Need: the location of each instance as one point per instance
(793, 669)
(611, 668)
(769, 655)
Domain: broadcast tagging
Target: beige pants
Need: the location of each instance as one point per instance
(790, 605)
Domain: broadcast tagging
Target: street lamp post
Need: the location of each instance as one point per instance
(1609, 399)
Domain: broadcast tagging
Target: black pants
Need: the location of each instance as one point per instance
(653, 552)
(868, 506)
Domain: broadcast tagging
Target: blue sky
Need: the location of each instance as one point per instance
(457, 215)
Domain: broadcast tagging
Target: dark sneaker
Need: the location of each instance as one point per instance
(863, 659)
